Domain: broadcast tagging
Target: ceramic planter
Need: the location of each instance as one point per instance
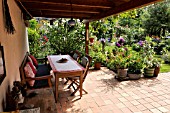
(134, 76)
(122, 73)
(149, 72)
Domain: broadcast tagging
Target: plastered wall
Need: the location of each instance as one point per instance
(15, 47)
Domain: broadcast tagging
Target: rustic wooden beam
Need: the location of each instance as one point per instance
(23, 9)
(31, 6)
(65, 11)
(87, 38)
(52, 15)
(63, 3)
(61, 13)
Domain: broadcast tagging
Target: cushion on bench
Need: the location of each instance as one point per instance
(42, 74)
(42, 70)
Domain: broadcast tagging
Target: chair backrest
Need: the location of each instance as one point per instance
(85, 62)
(76, 55)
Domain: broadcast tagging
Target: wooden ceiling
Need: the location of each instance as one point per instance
(79, 9)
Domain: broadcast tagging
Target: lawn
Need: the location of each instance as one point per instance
(165, 68)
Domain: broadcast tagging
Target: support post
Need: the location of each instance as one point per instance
(87, 38)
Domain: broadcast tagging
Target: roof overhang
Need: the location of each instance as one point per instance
(79, 9)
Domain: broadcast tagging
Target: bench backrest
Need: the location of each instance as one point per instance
(21, 68)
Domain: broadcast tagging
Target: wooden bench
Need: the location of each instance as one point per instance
(42, 77)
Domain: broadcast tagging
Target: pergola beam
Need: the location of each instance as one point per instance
(87, 38)
(81, 3)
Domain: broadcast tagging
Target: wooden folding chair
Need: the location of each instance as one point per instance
(85, 62)
(76, 55)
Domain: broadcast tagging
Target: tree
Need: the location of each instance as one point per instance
(64, 38)
(156, 18)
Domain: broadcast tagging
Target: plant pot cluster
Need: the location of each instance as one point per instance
(143, 61)
(151, 72)
(122, 74)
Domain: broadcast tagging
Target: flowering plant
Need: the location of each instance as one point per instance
(120, 42)
(121, 58)
(140, 43)
(137, 46)
(135, 63)
(102, 40)
(148, 53)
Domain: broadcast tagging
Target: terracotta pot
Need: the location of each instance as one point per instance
(97, 65)
(156, 71)
(91, 40)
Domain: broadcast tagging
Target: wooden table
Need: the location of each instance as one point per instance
(69, 68)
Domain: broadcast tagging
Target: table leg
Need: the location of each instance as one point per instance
(56, 87)
(81, 84)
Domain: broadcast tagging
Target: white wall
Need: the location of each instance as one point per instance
(15, 47)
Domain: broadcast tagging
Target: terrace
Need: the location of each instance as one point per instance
(104, 92)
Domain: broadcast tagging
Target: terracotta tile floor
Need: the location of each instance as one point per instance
(107, 95)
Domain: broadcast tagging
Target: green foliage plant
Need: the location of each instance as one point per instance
(148, 53)
(35, 37)
(98, 57)
(64, 38)
(96, 52)
(136, 63)
(121, 59)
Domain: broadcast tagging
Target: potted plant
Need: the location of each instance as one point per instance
(135, 66)
(98, 58)
(97, 54)
(91, 39)
(148, 56)
(121, 62)
(14, 96)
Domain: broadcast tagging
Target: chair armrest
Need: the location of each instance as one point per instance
(39, 78)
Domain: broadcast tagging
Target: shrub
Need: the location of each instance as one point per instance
(166, 58)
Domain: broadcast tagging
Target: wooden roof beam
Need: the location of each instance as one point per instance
(67, 4)
(66, 11)
(62, 16)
